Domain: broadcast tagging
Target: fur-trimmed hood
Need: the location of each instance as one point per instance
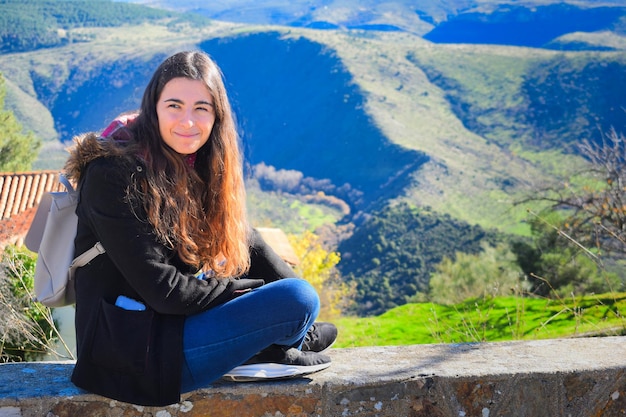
(86, 148)
(90, 146)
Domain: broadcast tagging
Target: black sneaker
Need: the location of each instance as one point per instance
(320, 337)
(278, 362)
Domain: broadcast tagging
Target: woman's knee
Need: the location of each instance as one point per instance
(296, 293)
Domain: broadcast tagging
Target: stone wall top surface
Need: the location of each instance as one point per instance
(570, 377)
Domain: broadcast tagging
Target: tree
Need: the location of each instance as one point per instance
(492, 272)
(317, 266)
(18, 150)
(557, 265)
(392, 254)
(595, 214)
(580, 238)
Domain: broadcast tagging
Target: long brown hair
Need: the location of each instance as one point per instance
(199, 211)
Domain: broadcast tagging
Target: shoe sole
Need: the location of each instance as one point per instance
(270, 371)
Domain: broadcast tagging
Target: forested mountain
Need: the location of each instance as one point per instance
(30, 24)
(428, 144)
(402, 238)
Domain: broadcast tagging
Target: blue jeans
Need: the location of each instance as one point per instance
(217, 340)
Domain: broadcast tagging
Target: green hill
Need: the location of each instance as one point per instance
(488, 320)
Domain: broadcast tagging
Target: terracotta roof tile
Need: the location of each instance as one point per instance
(20, 193)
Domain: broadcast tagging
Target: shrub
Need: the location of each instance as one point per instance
(492, 272)
(27, 329)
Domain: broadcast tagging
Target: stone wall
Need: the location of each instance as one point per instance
(581, 377)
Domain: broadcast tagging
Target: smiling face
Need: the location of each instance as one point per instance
(186, 114)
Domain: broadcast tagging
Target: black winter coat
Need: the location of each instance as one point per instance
(136, 356)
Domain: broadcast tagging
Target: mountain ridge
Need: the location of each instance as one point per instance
(533, 23)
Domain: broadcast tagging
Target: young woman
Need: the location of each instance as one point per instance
(186, 292)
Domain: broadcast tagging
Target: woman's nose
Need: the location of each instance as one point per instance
(186, 120)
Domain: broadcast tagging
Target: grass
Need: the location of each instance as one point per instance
(273, 209)
(314, 215)
(487, 320)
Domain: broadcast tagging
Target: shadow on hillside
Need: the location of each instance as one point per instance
(89, 100)
(523, 26)
(299, 109)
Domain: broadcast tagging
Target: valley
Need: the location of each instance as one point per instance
(377, 119)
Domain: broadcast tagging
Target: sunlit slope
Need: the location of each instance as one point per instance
(470, 176)
(395, 133)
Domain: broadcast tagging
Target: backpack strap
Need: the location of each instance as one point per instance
(68, 185)
(86, 257)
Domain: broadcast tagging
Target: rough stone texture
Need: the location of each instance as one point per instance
(583, 377)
